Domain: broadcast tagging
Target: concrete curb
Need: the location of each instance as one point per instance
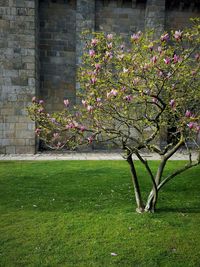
(85, 156)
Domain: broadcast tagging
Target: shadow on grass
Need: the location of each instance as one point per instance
(178, 210)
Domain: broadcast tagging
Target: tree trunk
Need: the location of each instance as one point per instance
(151, 202)
(138, 197)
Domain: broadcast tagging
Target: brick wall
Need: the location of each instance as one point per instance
(17, 74)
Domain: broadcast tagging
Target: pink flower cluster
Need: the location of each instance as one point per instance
(178, 35)
(37, 131)
(135, 36)
(194, 126)
(66, 102)
(91, 53)
(94, 42)
(75, 125)
(113, 92)
(164, 37)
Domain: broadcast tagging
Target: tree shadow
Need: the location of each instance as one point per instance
(178, 210)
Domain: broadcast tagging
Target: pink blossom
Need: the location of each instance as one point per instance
(191, 125)
(188, 114)
(154, 59)
(38, 131)
(176, 58)
(155, 100)
(93, 80)
(90, 108)
(164, 37)
(172, 103)
(41, 102)
(84, 102)
(34, 99)
(178, 35)
(82, 128)
(159, 49)
(167, 60)
(98, 99)
(97, 66)
(109, 45)
(128, 98)
(66, 102)
(123, 88)
(135, 37)
(90, 139)
(122, 47)
(40, 110)
(160, 73)
(198, 128)
(110, 36)
(94, 42)
(92, 53)
(112, 93)
(70, 126)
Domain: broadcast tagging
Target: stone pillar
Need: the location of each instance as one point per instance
(18, 79)
(155, 16)
(85, 20)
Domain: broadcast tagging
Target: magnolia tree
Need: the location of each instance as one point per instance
(130, 93)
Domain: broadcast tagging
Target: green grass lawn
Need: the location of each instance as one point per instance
(76, 213)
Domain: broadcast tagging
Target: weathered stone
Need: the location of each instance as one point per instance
(10, 150)
(54, 47)
(25, 149)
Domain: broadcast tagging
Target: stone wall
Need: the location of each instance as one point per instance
(17, 74)
(40, 49)
(57, 46)
(120, 16)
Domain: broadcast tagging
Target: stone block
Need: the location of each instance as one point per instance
(25, 150)
(21, 126)
(22, 81)
(4, 142)
(10, 150)
(30, 4)
(30, 66)
(4, 25)
(20, 142)
(24, 134)
(11, 120)
(12, 97)
(10, 73)
(6, 111)
(2, 150)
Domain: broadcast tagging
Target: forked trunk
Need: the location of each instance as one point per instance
(151, 203)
